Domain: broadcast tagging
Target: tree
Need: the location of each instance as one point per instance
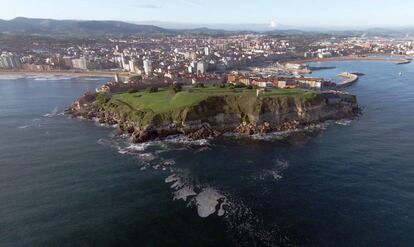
(135, 79)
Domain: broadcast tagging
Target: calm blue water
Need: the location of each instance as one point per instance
(67, 182)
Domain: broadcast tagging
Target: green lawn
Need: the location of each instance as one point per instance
(166, 100)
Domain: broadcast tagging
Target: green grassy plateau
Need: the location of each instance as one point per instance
(166, 99)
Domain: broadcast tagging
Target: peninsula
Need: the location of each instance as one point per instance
(200, 112)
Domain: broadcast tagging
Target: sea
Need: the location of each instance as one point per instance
(71, 182)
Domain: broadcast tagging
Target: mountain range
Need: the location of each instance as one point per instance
(78, 28)
(31, 26)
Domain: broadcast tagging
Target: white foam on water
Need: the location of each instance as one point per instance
(54, 113)
(238, 217)
(184, 192)
(91, 78)
(109, 143)
(182, 189)
(172, 178)
(202, 149)
(344, 122)
(207, 202)
(33, 123)
(138, 147)
(177, 184)
(221, 210)
(181, 139)
(275, 172)
(279, 135)
(146, 157)
(169, 162)
(11, 77)
(51, 78)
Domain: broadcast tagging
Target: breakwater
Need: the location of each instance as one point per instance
(350, 78)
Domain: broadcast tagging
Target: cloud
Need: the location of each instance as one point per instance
(191, 3)
(273, 24)
(147, 6)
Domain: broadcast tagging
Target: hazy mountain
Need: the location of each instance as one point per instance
(49, 27)
(31, 26)
(236, 27)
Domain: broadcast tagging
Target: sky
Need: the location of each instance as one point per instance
(292, 13)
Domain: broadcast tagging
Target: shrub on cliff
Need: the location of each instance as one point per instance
(239, 85)
(135, 79)
(199, 85)
(102, 98)
(177, 87)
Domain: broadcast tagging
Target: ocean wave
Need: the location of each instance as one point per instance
(207, 200)
(240, 220)
(274, 173)
(344, 122)
(11, 77)
(54, 113)
(32, 123)
(182, 139)
(138, 147)
(91, 78)
(51, 78)
(279, 135)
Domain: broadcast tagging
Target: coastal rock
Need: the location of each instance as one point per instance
(204, 132)
(144, 136)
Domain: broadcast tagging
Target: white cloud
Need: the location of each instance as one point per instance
(273, 24)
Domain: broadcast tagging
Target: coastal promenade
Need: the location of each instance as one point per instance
(67, 73)
(397, 60)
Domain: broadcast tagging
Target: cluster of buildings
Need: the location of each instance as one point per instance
(9, 60)
(257, 59)
(335, 47)
(279, 81)
(171, 57)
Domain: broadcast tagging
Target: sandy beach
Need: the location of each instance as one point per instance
(61, 73)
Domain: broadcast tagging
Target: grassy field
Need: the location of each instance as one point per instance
(166, 100)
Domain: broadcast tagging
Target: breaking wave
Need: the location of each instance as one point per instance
(54, 113)
(208, 200)
(51, 78)
(34, 123)
(274, 173)
(239, 219)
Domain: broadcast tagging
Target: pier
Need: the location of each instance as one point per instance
(350, 78)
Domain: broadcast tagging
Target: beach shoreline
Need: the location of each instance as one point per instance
(352, 58)
(74, 74)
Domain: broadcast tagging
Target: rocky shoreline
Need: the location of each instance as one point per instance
(207, 120)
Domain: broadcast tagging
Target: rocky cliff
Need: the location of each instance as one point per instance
(216, 115)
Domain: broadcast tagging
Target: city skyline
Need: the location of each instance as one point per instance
(293, 14)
